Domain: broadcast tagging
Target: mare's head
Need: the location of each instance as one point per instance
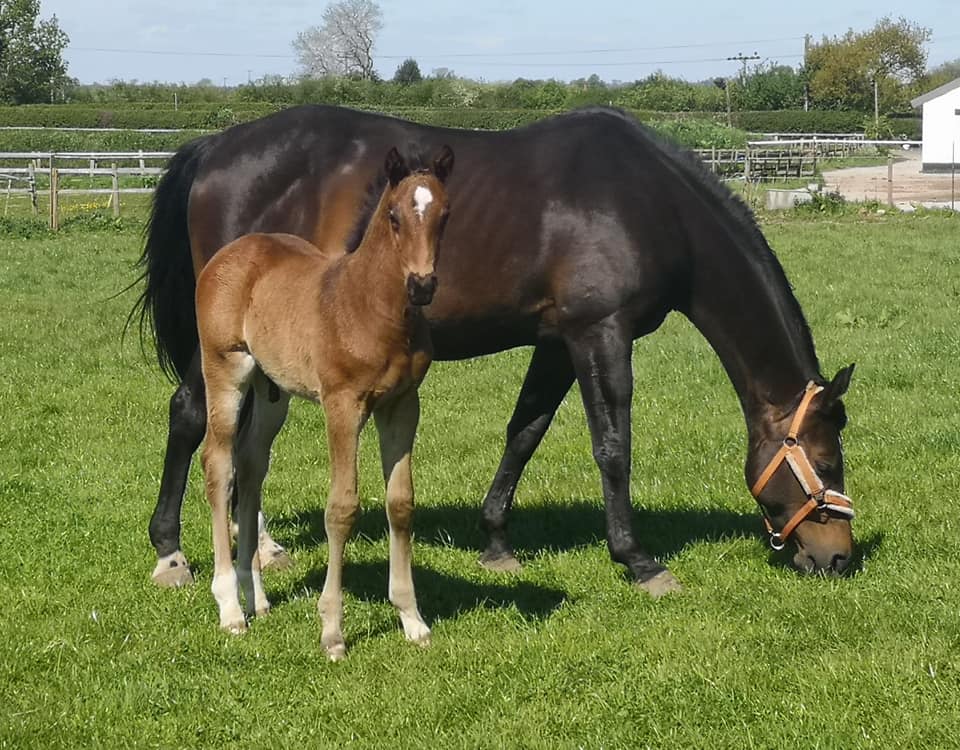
(795, 470)
(417, 209)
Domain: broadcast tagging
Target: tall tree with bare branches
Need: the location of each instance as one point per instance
(342, 45)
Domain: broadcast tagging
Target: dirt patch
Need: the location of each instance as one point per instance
(910, 187)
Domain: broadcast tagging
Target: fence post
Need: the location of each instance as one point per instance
(54, 213)
(746, 165)
(890, 180)
(31, 169)
(116, 190)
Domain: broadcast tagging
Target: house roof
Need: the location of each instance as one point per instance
(939, 91)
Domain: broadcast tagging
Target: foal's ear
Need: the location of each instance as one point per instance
(443, 163)
(395, 167)
(837, 387)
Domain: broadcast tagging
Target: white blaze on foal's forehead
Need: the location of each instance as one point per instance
(422, 197)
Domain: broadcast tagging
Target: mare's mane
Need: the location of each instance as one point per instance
(416, 161)
(737, 212)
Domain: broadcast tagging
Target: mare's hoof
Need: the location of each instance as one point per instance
(275, 557)
(263, 611)
(661, 584)
(172, 571)
(503, 562)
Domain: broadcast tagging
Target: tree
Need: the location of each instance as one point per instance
(408, 72)
(859, 70)
(343, 44)
(944, 73)
(31, 54)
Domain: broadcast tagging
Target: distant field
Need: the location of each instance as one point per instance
(566, 654)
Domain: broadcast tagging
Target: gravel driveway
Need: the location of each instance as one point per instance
(910, 187)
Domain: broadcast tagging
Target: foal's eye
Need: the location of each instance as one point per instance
(394, 220)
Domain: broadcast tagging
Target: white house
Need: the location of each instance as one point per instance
(941, 127)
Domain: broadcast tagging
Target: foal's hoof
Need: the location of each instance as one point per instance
(500, 562)
(336, 651)
(661, 584)
(275, 557)
(172, 571)
(235, 627)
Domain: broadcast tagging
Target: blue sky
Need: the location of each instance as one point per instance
(232, 41)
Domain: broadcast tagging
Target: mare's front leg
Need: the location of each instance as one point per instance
(397, 427)
(548, 380)
(345, 419)
(257, 434)
(227, 376)
(602, 360)
(188, 420)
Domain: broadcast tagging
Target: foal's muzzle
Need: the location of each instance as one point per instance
(420, 288)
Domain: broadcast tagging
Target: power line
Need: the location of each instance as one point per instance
(526, 53)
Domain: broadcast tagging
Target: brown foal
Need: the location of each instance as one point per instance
(278, 316)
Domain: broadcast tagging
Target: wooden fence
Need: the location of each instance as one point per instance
(37, 172)
(33, 173)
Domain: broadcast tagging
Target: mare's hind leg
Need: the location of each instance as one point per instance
(344, 422)
(601, 358)
(397, 427)
(188, 420)
(227, 377)
(548, 379)
(253, 461)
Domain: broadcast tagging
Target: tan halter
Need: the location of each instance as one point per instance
(818, 496)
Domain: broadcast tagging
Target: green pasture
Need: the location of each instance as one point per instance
(565, 654)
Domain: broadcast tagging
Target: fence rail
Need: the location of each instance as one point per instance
(775, 158)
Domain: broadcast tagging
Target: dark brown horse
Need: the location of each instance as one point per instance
(575, 235)
(347, 331)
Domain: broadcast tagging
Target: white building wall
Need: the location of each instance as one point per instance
(941, 128)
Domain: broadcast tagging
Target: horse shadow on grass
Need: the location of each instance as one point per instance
(534, 528)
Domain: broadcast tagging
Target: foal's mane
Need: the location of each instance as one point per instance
(416, 160)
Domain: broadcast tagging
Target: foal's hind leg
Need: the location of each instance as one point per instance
(227, 377)
(253, 460)
(397, 427)
(188, 419)
(548, 380)
(601, 357)
(344, 422)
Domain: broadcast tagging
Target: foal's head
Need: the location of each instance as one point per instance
(417, 207)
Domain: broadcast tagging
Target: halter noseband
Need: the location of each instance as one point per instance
(819, 498)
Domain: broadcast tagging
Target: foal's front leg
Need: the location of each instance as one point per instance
(345, 419)
(397, 427)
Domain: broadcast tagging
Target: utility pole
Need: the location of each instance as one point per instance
(740, 57)
(806, 79)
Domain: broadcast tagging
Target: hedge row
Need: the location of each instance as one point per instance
(826, 121)
(215, 116)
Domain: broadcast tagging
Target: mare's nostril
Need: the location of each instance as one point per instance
(839, 563)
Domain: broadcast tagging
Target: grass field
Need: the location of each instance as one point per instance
(565, 654)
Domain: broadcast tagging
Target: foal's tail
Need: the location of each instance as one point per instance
(166, 305)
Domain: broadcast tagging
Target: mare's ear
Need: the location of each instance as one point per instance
(837, 387)
(395, 167)
(443, 163)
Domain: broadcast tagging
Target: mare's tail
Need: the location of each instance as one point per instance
(166, 305)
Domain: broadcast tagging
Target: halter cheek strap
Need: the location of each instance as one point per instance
(818, 497)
